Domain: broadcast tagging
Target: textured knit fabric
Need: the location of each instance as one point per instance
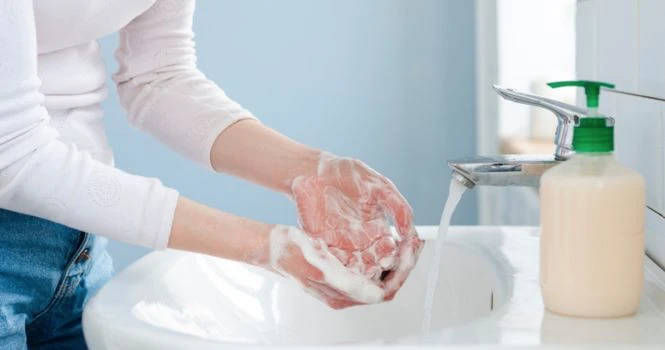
(55, 162)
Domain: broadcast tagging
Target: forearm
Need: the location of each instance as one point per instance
(254, 152)
(201, 229)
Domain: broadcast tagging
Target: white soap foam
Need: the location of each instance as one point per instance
(455, 193)
(353, 285)
(387, 262)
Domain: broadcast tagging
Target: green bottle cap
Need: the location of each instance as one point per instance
(593, 133)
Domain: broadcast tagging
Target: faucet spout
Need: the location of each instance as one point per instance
(463, 180)
(505, 170)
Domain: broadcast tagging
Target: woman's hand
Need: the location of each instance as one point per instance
(294, 254)
(346, 204)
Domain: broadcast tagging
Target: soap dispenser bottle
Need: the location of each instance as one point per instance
(592, 220)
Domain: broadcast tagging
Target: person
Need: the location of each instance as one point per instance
(58, 184)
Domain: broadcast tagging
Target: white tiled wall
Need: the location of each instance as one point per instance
(651, 29)
(623, 42)
(519, 206)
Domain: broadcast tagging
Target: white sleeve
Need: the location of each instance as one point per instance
(161, 88)
(45, 177)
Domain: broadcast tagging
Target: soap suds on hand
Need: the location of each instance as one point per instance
(335, 274)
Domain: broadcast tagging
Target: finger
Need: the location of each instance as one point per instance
(307, 261)
(355, 263)
(409, 251)
(341, 239)
(371, 262)
(293, 263)
(329, 296)
(385, 250)
(324, 210)
(371, 268)
(341, 255)
(333, 298)
(355, 286)
(374, 229)
(356, 236)
(396, 206)
(396, 279)
(329, 301)
(341, 304)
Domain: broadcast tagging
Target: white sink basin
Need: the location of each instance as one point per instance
(488, 294)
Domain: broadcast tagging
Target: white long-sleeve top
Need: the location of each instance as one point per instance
(55, 162)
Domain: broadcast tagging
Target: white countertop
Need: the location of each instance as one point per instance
(522, 320)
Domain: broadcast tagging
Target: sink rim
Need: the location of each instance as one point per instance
(96, 310)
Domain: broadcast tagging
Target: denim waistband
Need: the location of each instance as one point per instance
(47, 273)
(36, 254)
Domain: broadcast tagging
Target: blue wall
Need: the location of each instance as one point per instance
(389, 82)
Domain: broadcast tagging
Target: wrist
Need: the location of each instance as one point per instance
(201, 229)
(254, 152)
(256, 246)
(304, 163)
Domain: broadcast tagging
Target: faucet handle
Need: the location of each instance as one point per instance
(557, 107)
(565, 114)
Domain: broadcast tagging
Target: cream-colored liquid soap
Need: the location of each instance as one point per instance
(592, 218)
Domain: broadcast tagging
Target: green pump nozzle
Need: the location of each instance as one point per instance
(593, 133)
(591, 89)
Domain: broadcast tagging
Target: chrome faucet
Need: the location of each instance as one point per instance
(521, 170)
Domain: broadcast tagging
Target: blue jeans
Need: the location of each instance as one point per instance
(47, 273)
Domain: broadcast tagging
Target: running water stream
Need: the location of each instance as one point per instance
(455, 193)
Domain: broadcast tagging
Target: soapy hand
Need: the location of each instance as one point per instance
(346, 204)
(308, 261)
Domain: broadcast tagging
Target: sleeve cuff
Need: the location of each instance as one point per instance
(218, 130)
(164, 230)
